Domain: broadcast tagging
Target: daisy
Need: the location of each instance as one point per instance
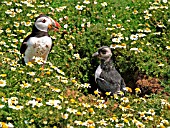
(151, 112)
(64, 116)
(146, 17)
(16, 24)
(116, 40)
(86, 2)
(78, 7)
(78, 122)
(95, 2)
(70, 110)
(21, 31)
(134, 49)
(134, 37)
(56, 90)
(115, 96)
(2, 43)
(137, 90)
(53, 102)
(118, 46)
(38, 60)
(2, 83)
(25, 85)
(149, 118)
(76, 56)
(164, 1)
(102, 122)
(141, 35)
(91, 110)
(140, 125)
(124, 99)
(118, 25)
(161, 125)
(114, 119)
(3, 75)
(70, 46)
(28, 23)
(18, 4)
(135, 12)
(108, 93)
(64, 81)
(8, 30)
(110, 29)
(86, 85)
(96, 92)
(8, 3)
(13, 101)
(89, 123)
(88, 24)
(86, 105)
(142, 114)
(160, 65)
(29, 64)
(10, 125)
(161, 25)
(33, 102)
(120, 125)
(127, 8)
(12, 14)
(1, 31)
(31, 73)
(166, 122)
(104, 4)
(168, 47)
(18, 107)
(18, 10)
(147, 30)
(1, 105)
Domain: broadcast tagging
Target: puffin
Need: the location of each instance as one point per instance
(107, 78)
(39, 43)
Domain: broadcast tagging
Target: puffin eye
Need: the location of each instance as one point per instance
(43, 20)
(103, 52)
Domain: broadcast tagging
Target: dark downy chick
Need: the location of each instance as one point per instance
(107, 77)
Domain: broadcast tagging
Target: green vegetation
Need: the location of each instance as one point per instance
(58, 96)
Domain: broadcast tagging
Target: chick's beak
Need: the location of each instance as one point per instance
(95, 54)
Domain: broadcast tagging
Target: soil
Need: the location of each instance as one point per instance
(149, 85)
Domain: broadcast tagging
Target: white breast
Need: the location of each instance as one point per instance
(98, 72)
(39, 47)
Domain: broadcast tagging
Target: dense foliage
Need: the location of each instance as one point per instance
(138, 33)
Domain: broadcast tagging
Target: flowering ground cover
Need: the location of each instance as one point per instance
(63, 95)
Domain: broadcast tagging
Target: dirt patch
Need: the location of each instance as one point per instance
(148, 85)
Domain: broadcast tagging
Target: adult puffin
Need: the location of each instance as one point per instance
(107, 77)
(38, 43)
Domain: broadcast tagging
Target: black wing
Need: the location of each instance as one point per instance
(113, 79)
(24, 45)
(105, 86)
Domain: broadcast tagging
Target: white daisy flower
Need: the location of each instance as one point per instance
(2, 83)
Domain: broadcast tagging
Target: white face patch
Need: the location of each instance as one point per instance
(42, 23)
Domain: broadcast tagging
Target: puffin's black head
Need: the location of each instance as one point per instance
(44, 23)
(103, 53)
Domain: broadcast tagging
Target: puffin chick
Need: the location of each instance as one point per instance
(107, 77)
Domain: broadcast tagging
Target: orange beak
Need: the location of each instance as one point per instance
(55, 25)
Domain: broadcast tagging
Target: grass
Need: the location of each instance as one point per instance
(59, 96)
